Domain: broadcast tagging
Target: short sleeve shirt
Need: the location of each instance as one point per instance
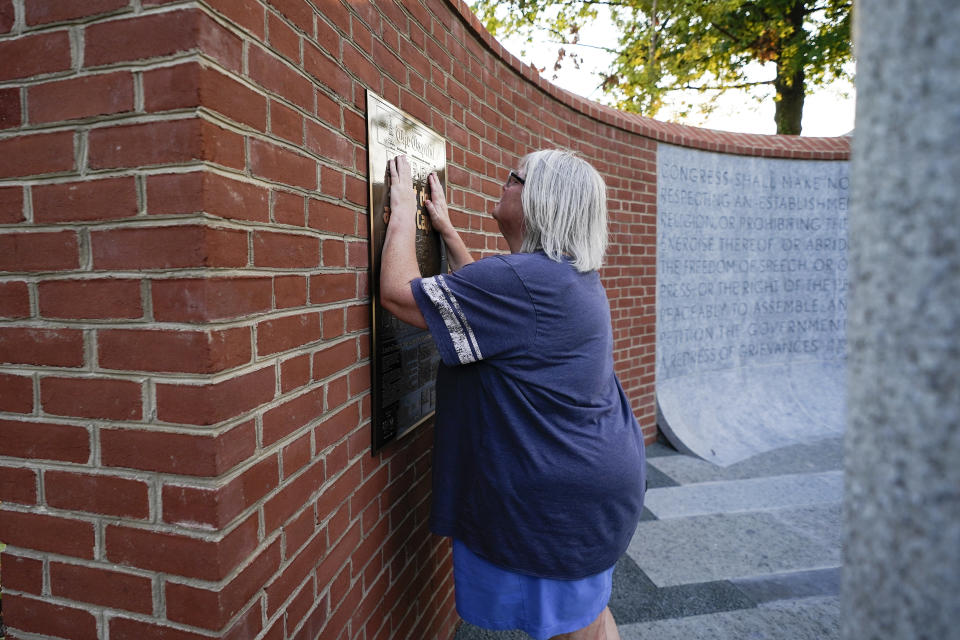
(538, 460)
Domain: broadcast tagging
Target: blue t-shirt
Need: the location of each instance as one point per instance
(538, 462)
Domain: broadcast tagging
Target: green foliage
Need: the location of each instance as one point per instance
(668, 46)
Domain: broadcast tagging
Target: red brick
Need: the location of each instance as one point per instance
(290, 291)
(228, 198)
(289, 332)
(164, 142)
(180, 555)
(285, 250)
(9, 107)
(337, 555)
(90, 299)
(300, 529)
(17, 485)
(281, 165)
(91, 398)
(16, 393)
(127, 629)
(328, 110)
(355, 190)
(168, 247)
(201, 300)
(298, 12)
(332, 323)
(313, 626)
(334, 253)
(7, 15)
(358, 318)
(327, 37)
(294, 373)
(103, 587)
(139, 37)
(334, 359)
(11, 205)
(325, 70)
(293, 497)
(358, 254)
(106, 495)
(48, 620)
(174, 87)
(192, 85)
(213, 403)
(355, 126)
(47, 11)
(178, 453)
(88, 200)
(173, 193)
(44, 441)
(14, 300)
(332, 218)
(45, 533)
(286, 123)
(248, 625)
(35, 55)
(150, 143)
(388, 61)
(329, 144)
(335, 427)
(293, 575)
(45, 251)
(282, 39)
(83, 97)
(292, 415)
(37, 153)
(331, 182)
(209, 609)
(357, 62)
(332, 287)
(44, 347)
(296, 455)
(245, 15)
(208, 351)
(221, 45)
(22, 574)
(218, 507)
(278, 77)
(288, 208)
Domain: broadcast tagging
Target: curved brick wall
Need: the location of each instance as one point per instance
(184, 393)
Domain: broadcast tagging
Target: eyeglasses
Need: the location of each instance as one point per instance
(513, 175)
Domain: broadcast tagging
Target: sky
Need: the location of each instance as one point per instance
(828, 111)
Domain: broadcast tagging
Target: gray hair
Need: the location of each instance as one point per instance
(564, 208)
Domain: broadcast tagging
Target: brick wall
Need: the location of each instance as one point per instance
(184, 331)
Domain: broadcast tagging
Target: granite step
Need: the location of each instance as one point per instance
(748, 495)
(802, 619)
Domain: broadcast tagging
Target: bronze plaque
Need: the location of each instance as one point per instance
(403, 358)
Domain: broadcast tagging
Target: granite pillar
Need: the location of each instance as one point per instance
(902, 502)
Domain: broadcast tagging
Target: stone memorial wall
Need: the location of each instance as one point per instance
(751, 300)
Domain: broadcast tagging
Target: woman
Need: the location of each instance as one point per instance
(538, 467)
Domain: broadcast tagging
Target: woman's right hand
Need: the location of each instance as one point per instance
(437, 207)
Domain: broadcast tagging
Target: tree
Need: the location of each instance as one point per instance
(707, 45)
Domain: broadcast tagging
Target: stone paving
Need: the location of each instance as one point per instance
(751, 551)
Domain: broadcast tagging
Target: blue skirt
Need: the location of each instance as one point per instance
(494, 598)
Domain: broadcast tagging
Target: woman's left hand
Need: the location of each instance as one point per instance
(403, 199)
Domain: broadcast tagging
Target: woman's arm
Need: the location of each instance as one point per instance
(398, 262)
(457, 254)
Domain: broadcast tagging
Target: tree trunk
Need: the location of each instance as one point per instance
(790, 95)
(790, 81)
